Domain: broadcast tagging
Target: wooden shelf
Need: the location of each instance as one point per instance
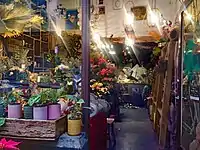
(162, 94)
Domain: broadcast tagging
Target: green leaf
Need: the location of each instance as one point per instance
(2, 100)
(2, 121)
(81, 101)
(35, 99)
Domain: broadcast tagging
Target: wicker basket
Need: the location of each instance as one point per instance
(74, 127)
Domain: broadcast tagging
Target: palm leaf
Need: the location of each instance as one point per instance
(16, 17)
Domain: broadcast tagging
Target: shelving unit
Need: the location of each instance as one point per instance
(162, 95)
(36, 39)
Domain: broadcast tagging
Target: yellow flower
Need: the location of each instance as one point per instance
(100, 84)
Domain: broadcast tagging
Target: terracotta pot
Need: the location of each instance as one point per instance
(54, 111)
(74, 127)
(14, 111)
(28, 112)
(40, 113)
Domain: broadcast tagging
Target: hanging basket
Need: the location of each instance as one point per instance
(74, 127)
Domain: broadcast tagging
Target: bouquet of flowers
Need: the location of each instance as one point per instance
(102, 76)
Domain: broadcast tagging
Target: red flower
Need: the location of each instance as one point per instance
(102, 60)
(66, 112)
(103, 72)
(91, 60)
(9, 144)
(70, 103)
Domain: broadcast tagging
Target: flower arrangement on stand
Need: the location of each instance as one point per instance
(102, 75)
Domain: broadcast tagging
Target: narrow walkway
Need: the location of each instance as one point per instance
(135, 131)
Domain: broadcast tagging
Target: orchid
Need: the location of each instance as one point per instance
(9, 144)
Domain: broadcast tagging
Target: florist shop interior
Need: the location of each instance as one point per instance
(73, 78)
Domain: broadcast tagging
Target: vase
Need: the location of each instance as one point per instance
(14, 111)
(74, 127)
(2, 110)
(28, 112)
(54, 111)
(40, 113)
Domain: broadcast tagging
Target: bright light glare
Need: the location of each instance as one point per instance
(154, 18)
(198, 40)
(189, 16)
(112, 52)
(58, 31)
(129, 42)
(96, 37)
(130, 19)
(103, 46)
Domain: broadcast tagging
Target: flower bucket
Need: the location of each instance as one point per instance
(14, 111)
(74, 127)
(2, 110)
(54, 111)
(28, 112)
(40, 113)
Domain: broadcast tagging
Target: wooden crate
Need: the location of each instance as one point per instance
(34, 129)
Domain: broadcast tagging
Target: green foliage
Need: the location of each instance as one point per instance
(55, 94)
(2, 121)
(70, 45)
(13, 97)
(20, 56)
(156, 51)
(39, 99)
(75, 111)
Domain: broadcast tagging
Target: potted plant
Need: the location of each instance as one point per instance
(39, 103)
(14, 104)
(54, 108)
(74, 115)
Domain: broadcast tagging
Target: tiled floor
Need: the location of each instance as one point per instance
(135, 131)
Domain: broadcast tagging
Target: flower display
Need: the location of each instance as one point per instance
(102, 75)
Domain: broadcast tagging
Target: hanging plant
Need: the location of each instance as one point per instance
(14, 18)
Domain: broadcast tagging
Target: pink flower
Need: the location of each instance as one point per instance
(102, 60)
(9, 144)
(103, 72)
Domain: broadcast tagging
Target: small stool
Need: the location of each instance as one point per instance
(111, 133)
